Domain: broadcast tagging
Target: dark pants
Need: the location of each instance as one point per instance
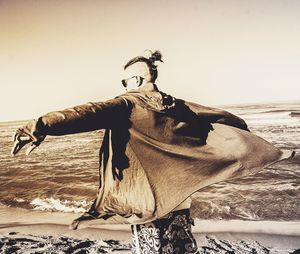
(171, 234)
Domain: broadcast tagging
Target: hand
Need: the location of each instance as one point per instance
(25, 135)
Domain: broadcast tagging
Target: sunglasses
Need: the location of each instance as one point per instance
(138, 79)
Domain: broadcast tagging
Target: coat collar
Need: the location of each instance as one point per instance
(148, 87)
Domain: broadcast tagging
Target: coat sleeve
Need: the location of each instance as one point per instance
(215, 115)
(83, 118)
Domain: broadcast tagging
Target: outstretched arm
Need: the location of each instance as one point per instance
(82, 118)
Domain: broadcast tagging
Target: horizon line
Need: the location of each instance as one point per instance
(215, 105)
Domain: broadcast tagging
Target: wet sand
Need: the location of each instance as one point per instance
(25, 231)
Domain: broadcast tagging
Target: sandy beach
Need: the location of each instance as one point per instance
(25, 231)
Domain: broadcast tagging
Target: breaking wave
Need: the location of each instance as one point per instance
(56, 205)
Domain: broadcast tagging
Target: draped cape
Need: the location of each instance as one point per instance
(158, 150)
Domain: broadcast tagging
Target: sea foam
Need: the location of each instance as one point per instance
(52, 204)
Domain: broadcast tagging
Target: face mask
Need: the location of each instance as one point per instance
(133, 82)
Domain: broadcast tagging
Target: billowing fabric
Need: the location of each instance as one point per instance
(169, 235)
(158, 150)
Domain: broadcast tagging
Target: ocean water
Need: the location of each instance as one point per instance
(62, 174)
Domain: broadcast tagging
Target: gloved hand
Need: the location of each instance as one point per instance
(28, 134)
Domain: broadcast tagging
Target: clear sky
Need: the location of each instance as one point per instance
(55, 54)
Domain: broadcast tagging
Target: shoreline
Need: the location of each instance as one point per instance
(51, 229)
(11, 216)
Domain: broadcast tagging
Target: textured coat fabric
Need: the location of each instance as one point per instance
(158, 150)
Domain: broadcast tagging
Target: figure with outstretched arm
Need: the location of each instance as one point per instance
(82, 118)
(157, 151)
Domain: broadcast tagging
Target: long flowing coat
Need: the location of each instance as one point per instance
(158, 150)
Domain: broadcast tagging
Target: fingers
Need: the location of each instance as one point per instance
(34, 145)
(25, 135)
(15, 136)
(20, 140)
(31, 148)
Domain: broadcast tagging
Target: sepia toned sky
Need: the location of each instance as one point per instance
(56, 54)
